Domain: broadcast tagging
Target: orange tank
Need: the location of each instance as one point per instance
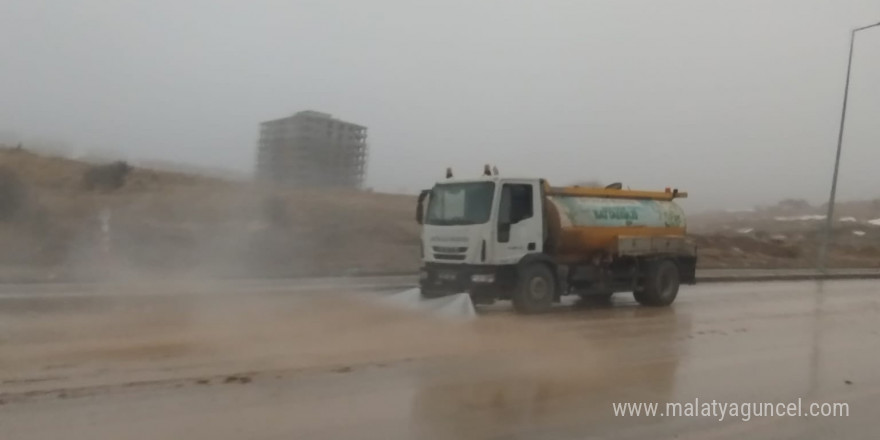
(585, 222)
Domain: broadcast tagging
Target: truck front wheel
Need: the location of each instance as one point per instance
(661, 284)
(535, 289)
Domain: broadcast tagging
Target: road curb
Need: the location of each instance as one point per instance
(377, 284)
(713, 279)
(787, 277)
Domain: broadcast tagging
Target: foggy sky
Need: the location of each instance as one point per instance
(737, 102)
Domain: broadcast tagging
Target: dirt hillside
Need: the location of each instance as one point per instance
(189, 225)
(54, 226)
(788, 234)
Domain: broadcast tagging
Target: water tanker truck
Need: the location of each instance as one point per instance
(524, 240)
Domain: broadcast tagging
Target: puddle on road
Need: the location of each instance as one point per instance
(495, 376)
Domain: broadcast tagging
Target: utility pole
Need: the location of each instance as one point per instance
(829, 220)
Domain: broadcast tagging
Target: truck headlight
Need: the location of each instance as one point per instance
(483, 278)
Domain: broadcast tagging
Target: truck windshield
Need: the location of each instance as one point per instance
(460, 203)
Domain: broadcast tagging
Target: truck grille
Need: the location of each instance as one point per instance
(451, 257)
(450, 250)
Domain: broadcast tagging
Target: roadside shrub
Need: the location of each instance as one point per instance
(13, 194)
(110, 176)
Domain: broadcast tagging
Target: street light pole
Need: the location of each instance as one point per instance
(829, 220)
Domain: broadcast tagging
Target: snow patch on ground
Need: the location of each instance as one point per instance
(801, 218)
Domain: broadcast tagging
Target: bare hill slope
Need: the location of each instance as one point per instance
(180, 224)
(175, 224)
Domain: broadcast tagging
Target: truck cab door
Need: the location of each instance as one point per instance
(519, 225)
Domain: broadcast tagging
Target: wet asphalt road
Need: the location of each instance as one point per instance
(556, 377)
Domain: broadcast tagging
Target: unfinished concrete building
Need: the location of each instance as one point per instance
(312, 149)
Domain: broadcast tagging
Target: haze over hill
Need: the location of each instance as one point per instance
(180, 225)
(163, 222)
(736, 102)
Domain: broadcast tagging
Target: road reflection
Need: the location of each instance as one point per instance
(600, 356)
(816, 346)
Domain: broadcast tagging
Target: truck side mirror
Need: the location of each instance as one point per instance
(420, 207)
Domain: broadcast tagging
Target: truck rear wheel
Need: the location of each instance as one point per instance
(535, 289)
(661, 284)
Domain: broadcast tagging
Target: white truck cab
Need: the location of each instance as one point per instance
(482, 222)
(489, 236)
(477, 231)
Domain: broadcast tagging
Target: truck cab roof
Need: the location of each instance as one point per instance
(577, 191)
